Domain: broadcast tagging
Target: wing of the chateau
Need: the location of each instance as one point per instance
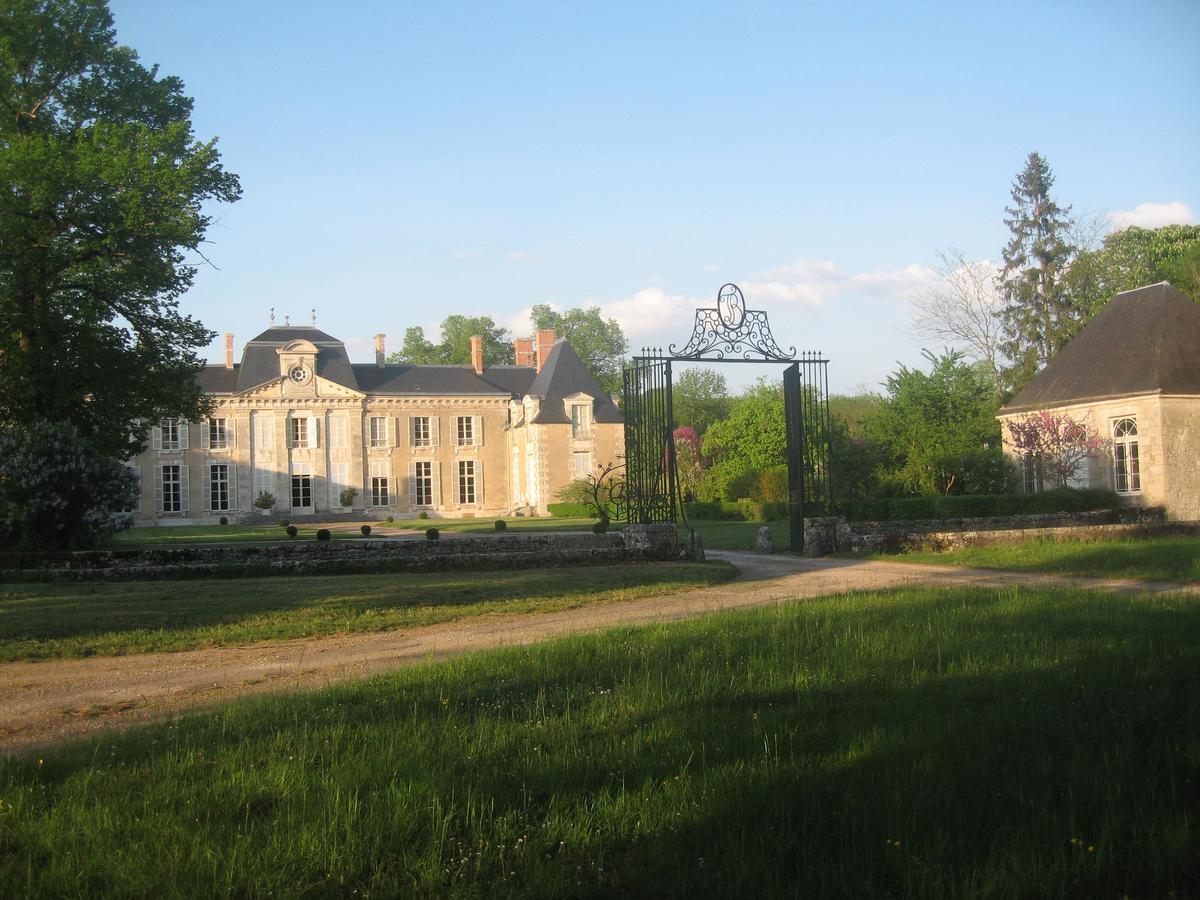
(299, 429)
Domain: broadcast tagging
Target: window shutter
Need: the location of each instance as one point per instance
(158, 490)
(412, 484)
(183, 434)
(184, 486)
(435, 436)
(204, 426)
(313, 440)
(479, 482)
(231, 433)
(477, 430)
(232, 474)
(206, 473)
(393, 427)
(435, 470)
(410, 420)
(156, 443)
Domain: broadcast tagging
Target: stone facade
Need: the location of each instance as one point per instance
(452, 441)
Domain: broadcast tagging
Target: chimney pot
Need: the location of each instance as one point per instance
(545, 343)
(523, 352)
(477, 353)
(229, 349)
(379, 351)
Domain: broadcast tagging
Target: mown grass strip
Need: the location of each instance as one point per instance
(909, 743)
(39, 621)
(1173, 558)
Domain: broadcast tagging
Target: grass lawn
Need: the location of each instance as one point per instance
(736, 535)
(1149, 559)
(166, 536)
(909, 743)
(488, 526)
(49, 620)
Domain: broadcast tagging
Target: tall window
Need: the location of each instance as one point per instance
(464, 431)
(264, 432)
(172, 489)
(218, 488)
(173, 434)
(339, 480)
(337, 433)
(299, 431)
(380, 433)
(423, 484)
(1127, 476)
(218, 434)
(302, 496)
(1032, 473)
(422, 432)
(380, 495)
(466, 481)
(581, 421)
(582, 464)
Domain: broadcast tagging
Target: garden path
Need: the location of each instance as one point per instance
(42, 703)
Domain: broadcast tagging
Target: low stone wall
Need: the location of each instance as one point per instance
(467, 552)
(945, 534)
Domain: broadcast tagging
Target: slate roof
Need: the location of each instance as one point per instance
(260, 362)
(563, 375)
(443, 380)
(216, 379)
(1143, 341)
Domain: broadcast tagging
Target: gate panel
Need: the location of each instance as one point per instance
(650, 473)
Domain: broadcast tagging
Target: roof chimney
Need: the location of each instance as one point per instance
(229, 349)
(477, 354)
(545, 341)
(523, 352)
(379, 350)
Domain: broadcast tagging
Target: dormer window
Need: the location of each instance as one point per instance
(581, 421)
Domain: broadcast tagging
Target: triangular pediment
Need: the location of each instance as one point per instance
(317, 387)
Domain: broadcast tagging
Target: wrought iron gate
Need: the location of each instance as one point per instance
(726, 333)
(650, 475)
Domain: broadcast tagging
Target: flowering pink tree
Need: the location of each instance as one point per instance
(1057, 444)
(689, 464)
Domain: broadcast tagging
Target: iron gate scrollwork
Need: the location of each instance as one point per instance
(650, 476)
(727, 333)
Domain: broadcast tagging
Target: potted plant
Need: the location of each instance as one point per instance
(346, 497)
(264, 503)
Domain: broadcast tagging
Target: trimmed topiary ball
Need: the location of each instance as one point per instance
(501, 525)
(323, 534)
(292, 531)
(284, 523)
(365, 529)
(422, 515)
(432, 534)
(224, 520)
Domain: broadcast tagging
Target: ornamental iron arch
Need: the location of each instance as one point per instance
(725, 333)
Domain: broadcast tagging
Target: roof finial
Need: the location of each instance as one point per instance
(271, 315)
(312, 316)
(287, 320)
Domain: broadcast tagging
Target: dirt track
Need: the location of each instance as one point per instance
(42, 703)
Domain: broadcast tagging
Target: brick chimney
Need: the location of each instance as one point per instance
(523, 352)
(477, 354)
(545, 341)
(229, 349)
(379, 351)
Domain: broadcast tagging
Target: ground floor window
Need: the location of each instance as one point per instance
(171, 484)
(581, 464)
(302, 493)
(1127, 475)
(466, 481)
(380, 493)
(219, 490)
(422, 484)
(1032, 473)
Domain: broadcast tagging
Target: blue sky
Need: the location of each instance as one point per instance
(401, 162)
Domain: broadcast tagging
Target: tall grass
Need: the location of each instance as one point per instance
(907, 743)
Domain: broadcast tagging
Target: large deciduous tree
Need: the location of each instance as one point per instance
(700, 397)
(599, 342)
(1038, 316)
(104, 192)
(455, 345)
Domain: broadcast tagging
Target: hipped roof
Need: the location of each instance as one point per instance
(1143, 341)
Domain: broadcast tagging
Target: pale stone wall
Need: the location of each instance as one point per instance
(1168, 449)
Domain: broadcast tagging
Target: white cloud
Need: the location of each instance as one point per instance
(648, 312)
(1153, 215)
(522, 256)
(808, 282)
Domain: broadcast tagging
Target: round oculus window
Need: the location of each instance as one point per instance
(299, 373)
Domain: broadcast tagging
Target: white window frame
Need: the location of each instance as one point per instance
(379, 491)
(171, 435)
(301, 471)
(422, 483)
(464, 431)
(576, 456)
(298, 431)
(215, 436)
(379, 432)
(338, 432)
(423, 432)
(173, 494)
(466, 485)
(1126, 459)
(264, 432)
(212, 501)
(581, 424)
(339, 480)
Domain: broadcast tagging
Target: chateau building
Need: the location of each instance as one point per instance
(1133, 374)
(297, 423)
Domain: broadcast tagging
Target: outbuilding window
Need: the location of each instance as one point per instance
(1127, 476)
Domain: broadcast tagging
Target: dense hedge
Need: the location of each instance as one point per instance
(741, 511)
(966, 506)
(569, 510)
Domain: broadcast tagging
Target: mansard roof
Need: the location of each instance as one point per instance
(260, 359)
(1143, 341)
(564, 375)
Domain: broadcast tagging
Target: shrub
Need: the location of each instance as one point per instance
(421, 515)
(265, 500)
(284, 523)
(390, 520)
(963, 506)
(569, 510)
(346, 497)
(365, 529)
(224, 520)
(292, 531)
(432, 534)
(501, 525)
(323, 534)
(600, 527)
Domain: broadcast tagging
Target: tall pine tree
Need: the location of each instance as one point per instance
(1037, 316)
